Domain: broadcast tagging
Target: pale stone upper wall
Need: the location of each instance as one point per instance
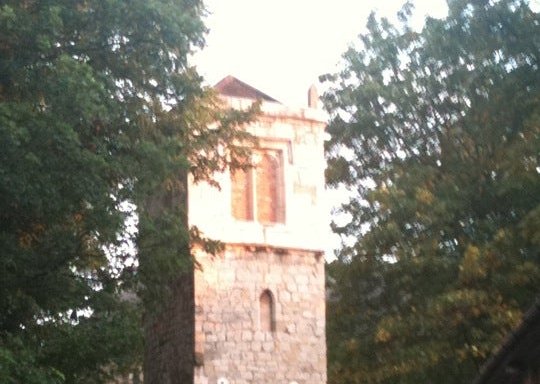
(299, 134)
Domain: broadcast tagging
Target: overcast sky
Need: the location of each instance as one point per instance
(282, 46)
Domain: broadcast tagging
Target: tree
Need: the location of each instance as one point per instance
(100, 115)
(437, 136)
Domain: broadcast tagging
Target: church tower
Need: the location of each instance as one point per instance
(260, 304)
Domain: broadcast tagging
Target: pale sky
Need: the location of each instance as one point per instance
(282, 46)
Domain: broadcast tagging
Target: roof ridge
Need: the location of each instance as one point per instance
(232, 86)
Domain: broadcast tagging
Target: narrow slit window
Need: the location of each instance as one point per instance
(266, 312)
(242, 195)
(267, 189)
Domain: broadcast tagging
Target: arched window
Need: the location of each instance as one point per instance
(266, 312)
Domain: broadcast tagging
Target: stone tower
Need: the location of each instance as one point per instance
(260, 304)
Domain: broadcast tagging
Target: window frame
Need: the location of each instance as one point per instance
(251, 194)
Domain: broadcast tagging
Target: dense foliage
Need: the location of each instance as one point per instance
(437, 136)
(99, 115)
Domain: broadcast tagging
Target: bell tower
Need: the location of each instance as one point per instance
(260, 304)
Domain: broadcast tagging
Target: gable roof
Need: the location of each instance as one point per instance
(231, 86)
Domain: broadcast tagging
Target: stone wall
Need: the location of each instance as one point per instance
(274, 229)
(229, 340)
